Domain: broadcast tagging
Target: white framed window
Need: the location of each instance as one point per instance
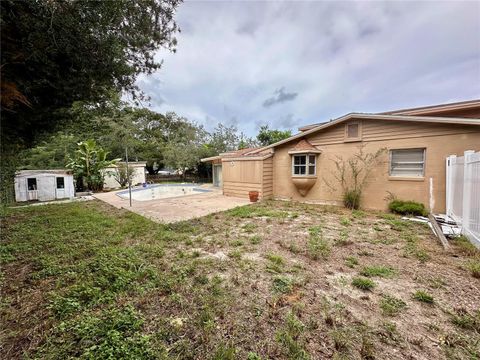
(407, 162)
(304, 165)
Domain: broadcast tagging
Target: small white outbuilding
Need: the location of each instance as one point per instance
(43, 185)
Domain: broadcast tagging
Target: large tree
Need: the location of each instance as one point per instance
(58, 52)
(55, 53)
(268, 136)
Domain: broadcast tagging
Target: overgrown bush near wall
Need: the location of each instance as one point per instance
(407, 207)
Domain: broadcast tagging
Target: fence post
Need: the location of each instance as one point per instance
(449, 186)
(467, 183)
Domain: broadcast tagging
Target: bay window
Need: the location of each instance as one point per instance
(304, 165)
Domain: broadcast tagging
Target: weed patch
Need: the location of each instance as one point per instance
(423, 296)
(351, 261)
(465, 320)
(465, 247)
(255, 240)
(276, 263)
(378, 271)
(282, 285)
(412, 249)
(252, 211)
(317, 246)
(112, 334)
(391, 305)
(290, 338)
(363, 283)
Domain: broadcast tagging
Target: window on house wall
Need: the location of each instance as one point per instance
(60, 183)
(32, 183)
(304, 165)
(353, 131)
(407, 162)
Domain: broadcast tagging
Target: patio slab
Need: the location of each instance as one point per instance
(175, 209)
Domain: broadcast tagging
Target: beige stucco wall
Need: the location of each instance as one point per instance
(439, 141)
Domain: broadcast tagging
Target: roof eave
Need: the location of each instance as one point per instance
(427, 119)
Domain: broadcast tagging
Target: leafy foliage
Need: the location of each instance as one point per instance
(57, 52)
(89, 164)
(268, 136)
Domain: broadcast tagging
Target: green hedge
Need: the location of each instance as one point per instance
(407, 208)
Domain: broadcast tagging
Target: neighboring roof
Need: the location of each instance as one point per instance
(404, 118)
(211, 158)
(241, 154)
(461, 105)
(130, 163)
(311, 126)
(41, 172)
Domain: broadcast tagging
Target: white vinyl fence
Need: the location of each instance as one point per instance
(463, 193)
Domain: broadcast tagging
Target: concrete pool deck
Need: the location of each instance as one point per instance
(175, 209)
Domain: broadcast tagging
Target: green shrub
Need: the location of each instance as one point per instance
(351, 199)
(363, 283)
(423, 296)
(407, 207)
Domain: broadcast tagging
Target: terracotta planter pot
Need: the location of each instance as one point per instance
(253, 195)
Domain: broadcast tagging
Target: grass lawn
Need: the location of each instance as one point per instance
(275, 280)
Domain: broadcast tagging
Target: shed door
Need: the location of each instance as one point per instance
(217, 175)
(46, 188)
(60, 187)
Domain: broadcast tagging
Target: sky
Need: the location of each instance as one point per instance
(288, 64)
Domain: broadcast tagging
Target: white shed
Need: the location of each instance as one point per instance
(137, 178)
(43, 185)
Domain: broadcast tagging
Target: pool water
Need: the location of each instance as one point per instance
(163, 191)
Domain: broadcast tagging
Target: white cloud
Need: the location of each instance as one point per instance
(338, 56)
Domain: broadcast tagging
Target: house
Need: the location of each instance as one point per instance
(111, 173)
(416, 143)
(43, 185)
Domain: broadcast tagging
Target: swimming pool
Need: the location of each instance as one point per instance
(163, 191)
